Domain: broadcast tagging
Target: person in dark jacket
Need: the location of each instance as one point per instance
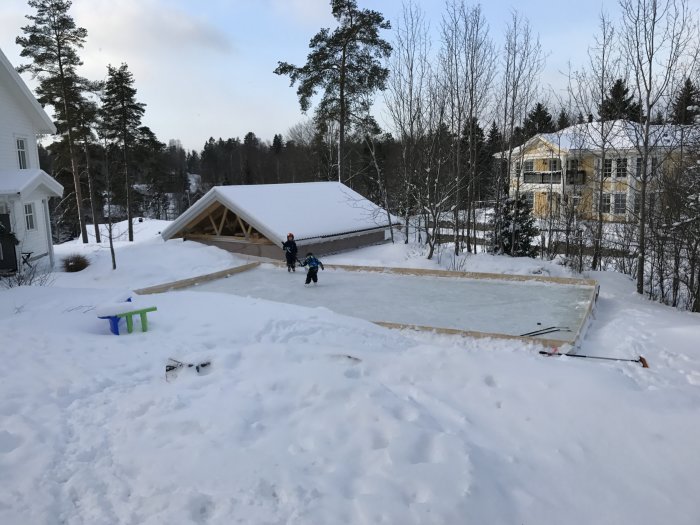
(313, 263)
(290, 252)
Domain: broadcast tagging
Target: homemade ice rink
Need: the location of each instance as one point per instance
(493, 306)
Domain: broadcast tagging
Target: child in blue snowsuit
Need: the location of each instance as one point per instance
(313, 263)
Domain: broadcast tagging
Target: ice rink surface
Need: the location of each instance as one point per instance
(494, 306)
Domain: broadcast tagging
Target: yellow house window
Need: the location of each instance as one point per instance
(607, 168)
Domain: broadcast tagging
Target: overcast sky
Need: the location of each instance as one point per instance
(204, 67)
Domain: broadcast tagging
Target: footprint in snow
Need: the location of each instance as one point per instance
(490, 381)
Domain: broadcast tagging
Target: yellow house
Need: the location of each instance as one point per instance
(561, 173)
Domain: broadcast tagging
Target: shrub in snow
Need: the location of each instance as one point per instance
(75, 263)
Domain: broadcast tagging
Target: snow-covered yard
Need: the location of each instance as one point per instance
(310, 416)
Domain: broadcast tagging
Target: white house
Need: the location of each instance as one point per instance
(25, 228)
(325, 217)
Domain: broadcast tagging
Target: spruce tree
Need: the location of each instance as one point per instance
(346, 64)
(121, 116)
(619, 104)
(518, 226)
(539, 120)
(563, 120)
(686, 106)
(52, 42)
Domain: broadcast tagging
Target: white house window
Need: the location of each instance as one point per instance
(620, 204)
(22, 153)
(528, 165)
(530, 199)
(638, 170)
(30, 216)
(621, 169)
(606, 203)
(607, 168)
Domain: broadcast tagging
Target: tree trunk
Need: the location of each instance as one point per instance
(91, 191)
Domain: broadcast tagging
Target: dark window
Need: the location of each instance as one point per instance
(576, 177)
(621, 169)
(606, 203)
(654, 166)
(552, 178)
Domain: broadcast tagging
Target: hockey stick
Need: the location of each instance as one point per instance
(549, 330)
(640, 359)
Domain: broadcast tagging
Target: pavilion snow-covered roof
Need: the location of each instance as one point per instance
(309, 210)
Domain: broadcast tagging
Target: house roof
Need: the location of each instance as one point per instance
(11, 79)
(23, 182)
(309, 210)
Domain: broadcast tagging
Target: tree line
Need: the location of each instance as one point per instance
(457, 106)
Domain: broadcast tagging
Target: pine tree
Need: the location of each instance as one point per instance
(539, 120)
(619, 104)
(121, 116)
(686, 106)
(346, 64)
(52, 42)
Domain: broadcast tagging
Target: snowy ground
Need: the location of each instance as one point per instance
(492, 306)
(309, 416)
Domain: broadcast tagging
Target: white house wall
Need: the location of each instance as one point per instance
(34, 241)
(14, 124)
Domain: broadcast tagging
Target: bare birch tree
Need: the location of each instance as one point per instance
(588, 90)
(405, 99)
(656, 34)
(467, 68)
(522, 61)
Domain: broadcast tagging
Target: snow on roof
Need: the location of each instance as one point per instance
(10, 77)
(618, 134)
(308, 210)
(25, 181)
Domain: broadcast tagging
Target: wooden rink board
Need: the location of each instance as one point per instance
(552, 344)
